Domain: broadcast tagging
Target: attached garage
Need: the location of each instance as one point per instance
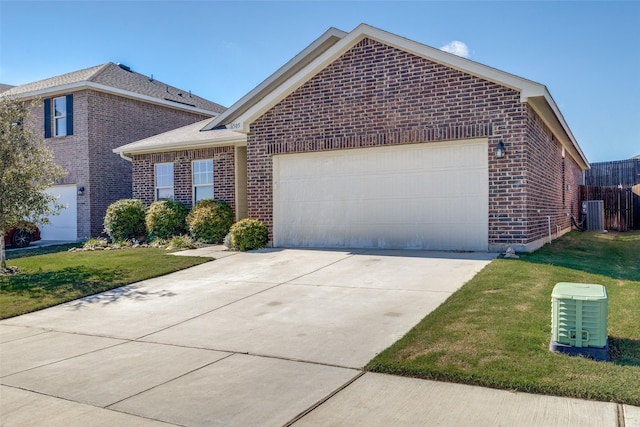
(370, 140)
(63, 226)
(415, 196)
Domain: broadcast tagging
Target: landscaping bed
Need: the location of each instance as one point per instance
(495, 330)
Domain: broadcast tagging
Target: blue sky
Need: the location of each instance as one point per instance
(586, 52)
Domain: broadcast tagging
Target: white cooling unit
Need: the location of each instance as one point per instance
(594, 210)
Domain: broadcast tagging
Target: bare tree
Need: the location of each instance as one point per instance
(27, 169)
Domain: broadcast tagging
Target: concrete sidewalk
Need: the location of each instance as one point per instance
(272, 337)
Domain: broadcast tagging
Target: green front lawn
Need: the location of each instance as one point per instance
(49, 277)
(495, 330)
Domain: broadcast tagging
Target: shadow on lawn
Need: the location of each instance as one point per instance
(65, 280)
(615, 255)
(102, 286)
(624, 351)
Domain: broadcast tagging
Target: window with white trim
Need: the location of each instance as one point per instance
(202, 179)
(60, 116)
(164, 181)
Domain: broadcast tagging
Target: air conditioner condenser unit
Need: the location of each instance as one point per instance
(579, 320)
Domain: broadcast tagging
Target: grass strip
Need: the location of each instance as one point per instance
(495, 330)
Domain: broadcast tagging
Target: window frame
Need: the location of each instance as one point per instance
(163, 187)
(59, 131)
(195, 186)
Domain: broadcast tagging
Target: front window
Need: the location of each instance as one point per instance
(60, 116)
(202, 180)
(164, 181)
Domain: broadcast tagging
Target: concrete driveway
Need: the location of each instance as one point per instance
(249, 339)
(263, 338)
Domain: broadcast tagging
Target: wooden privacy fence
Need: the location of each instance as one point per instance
(620, 172)
(621, 206)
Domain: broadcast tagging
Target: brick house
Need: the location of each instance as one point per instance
(370, 140)
(84, 115)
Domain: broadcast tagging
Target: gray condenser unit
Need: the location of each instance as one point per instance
(594, 212)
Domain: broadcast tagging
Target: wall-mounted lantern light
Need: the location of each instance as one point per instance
(80, 191)
(500, 150)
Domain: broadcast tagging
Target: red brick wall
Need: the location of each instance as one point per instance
(72, 153)
(378, 95)
(101, 123)
(548, 200)
(115, 121)
(223, 174)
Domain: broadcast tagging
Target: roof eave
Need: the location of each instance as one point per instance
(109, 89)
(546, 108)
(316, 48)
(125, 150)
(241, 123)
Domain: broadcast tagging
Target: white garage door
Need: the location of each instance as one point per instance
(65, 225)
(418, 196)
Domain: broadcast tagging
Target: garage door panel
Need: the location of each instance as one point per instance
(63, 226)
(421, 196)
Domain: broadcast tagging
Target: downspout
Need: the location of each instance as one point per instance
(129, 159)
(549, 224)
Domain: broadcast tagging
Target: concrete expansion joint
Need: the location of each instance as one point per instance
(620, 408)
(167, 381)
(209, 311)
(323, 400)
(317, 269)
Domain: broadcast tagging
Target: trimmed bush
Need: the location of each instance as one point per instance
(248, 234)
(124, 220)
(93, 243)
(210, 220)
(166, 218)
(181, 242)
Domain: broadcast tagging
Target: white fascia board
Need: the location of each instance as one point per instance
(254, 95)
(525, 87)
(548, 111)
(109, 89)
(180, 145)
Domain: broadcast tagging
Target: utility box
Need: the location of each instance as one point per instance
(579, 320)
(594, 211)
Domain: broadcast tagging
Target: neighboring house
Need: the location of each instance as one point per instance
(4, 87)
(370, 140)
(84, 116)
(624, 173)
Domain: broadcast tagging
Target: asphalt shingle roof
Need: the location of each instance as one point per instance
(4, 87)
(115, 76)
(187, 136)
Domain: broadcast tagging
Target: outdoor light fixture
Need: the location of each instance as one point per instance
(500, 150)
(80, 191)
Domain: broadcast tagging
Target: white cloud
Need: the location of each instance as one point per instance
(457, 48)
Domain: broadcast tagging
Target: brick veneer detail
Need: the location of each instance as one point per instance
(376, 95)
(223, 173)
(102, 122)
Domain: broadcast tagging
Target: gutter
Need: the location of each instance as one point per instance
(129, 159)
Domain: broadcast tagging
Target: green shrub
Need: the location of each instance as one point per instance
(181, 242)
(93, 243)
(210, 220)
(166, 218)
(248, 234)
(227, 241)
(124, 220)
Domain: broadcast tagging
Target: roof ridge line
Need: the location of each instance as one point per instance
(100, 70)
